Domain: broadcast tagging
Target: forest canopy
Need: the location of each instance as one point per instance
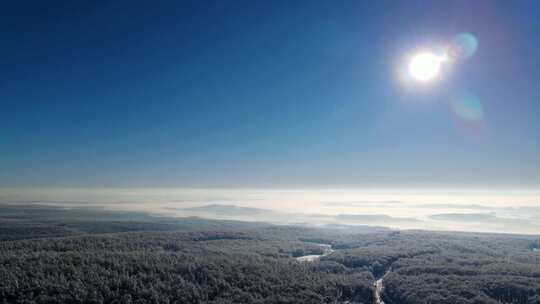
(52, 255)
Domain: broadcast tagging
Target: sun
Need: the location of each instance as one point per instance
(425, 67)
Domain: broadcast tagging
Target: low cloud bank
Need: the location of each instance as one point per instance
(482, 212)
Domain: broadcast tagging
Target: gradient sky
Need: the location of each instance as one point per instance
(265, 93)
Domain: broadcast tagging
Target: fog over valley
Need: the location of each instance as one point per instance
(510, 211)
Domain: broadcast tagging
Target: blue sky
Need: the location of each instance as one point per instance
(265, 94)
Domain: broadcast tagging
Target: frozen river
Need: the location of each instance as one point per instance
(327, 249)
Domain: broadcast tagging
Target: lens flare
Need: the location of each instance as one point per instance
(463, 46)
(467, 106)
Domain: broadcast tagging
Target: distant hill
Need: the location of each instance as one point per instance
(466, 217)
(375, 219)
(228, 210)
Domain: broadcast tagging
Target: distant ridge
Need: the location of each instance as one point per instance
(228, 210)
(375, 218)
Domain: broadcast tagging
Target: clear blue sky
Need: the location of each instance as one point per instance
(264, 93)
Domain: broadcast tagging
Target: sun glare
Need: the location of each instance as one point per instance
(425, 66)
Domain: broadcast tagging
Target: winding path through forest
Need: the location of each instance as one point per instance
(378, 286)
(378, 289)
